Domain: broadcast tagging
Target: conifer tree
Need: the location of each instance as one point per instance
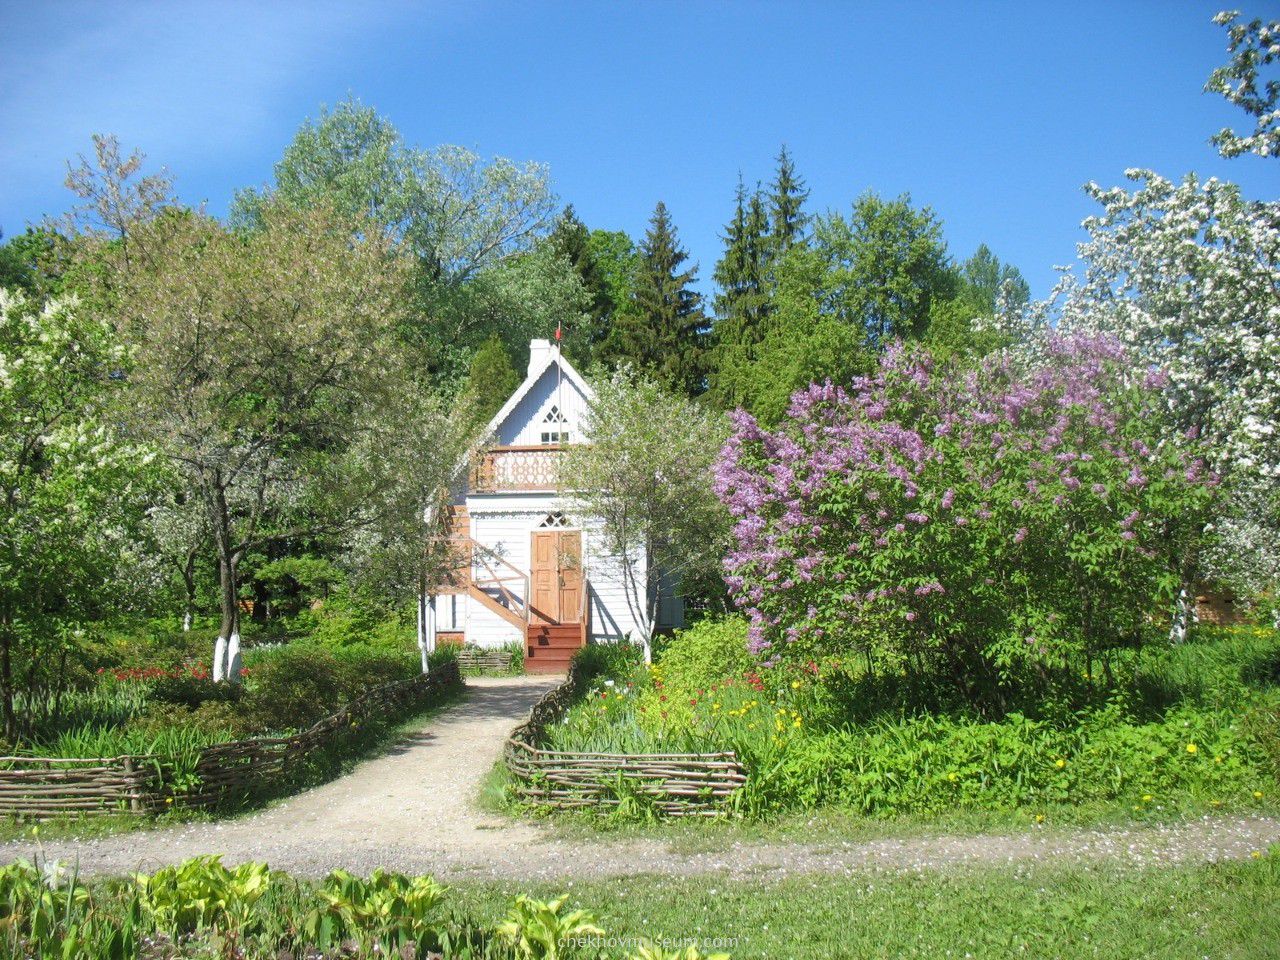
(787, 219)
(665, 331)
(570, 239)
(742, 304)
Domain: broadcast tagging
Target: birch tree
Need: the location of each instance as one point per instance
(646, 475)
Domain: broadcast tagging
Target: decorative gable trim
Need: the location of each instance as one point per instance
(537, 368)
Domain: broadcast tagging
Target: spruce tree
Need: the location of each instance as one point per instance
(665, 331)
(787, 219)
(571, 240)
(742, 304)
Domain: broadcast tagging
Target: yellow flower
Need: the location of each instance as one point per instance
(797, 722)
(795, 684)
(951, 777)
(1192, 748)
(168, 799)
(1146, 798)
(1257, 854)
(1257, 794)
(1060, 763)
(1039, 818)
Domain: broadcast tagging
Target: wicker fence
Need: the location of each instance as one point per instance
(675, 784)
(495, 661)
(40, 787)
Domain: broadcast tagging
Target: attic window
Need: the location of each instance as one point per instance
(555, 436)
(553, 520)
(554, 416)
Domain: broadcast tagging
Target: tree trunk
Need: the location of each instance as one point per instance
(1184, 615)
(226, 648)
(189, 582)
(6, 675)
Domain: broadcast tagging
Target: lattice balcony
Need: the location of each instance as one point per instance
(501, 469)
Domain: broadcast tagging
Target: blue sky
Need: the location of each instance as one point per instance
(994, 114)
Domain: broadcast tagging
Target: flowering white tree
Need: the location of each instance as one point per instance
(1252, 45)
(72, 492)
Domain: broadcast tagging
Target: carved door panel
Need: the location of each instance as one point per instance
(556, 574)
(545, 578)
(570, 559)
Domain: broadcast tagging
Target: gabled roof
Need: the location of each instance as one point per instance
(542, 356)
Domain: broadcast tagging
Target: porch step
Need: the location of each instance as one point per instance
(550, 647)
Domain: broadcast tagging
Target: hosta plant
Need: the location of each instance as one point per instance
(540, 931)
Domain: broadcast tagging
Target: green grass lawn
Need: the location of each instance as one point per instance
(1222, 911)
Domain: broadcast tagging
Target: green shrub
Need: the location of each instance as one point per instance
(608, 660)
(295, 687)
(710, 651)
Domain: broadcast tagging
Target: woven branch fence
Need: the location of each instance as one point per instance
(495, 660)
(674, 784)
(43, 787)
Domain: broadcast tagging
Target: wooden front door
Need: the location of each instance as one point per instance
(557, 576)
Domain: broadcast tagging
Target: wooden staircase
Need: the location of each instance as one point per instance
(550, 646)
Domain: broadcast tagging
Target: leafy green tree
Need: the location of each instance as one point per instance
(73, 490)
(664, 333)
(885, 267)
(25, 262)
(646, 476)
(270, 375)
(787, 196)
(617, 260)
(458, 215)
(492, 378)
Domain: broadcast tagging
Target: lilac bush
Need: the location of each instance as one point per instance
(987, 523)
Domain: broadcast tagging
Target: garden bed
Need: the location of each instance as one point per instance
(672, 784)
(43, 787)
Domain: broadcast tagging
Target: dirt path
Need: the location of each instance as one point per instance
(413, 809)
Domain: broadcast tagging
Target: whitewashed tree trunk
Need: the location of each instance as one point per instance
(186, 622)
(1184, 615)
(234, 663)
(426, 630)
(219, 659)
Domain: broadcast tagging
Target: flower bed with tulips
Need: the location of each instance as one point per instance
(1191, 727)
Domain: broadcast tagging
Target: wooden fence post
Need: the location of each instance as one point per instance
(135, 801)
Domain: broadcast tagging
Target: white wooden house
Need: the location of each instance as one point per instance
(528, 569)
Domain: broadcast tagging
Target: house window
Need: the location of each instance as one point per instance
(555, 520)
(556, 419)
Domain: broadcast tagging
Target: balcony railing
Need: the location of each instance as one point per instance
(501, 469)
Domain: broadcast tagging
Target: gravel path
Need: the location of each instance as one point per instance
(413, 809)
